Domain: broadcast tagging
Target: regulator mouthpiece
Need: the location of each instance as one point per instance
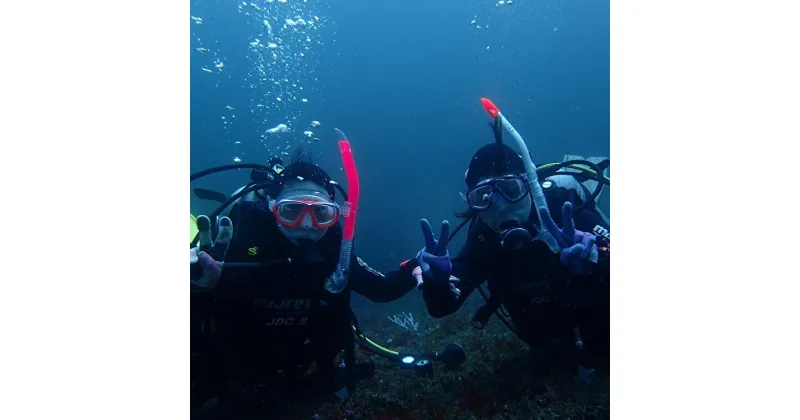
(515, 239)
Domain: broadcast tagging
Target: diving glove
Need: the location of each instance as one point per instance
(578, 250)
(207, 257)
(434, 259)
(417, 273)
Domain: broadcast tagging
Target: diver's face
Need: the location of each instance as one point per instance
(502, 213)
(304, 211)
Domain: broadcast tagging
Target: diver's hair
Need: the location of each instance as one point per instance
(302, 154)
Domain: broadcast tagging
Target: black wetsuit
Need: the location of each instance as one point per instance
(542, 298)
(266, 326)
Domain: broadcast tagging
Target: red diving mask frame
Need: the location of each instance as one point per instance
(291, 213)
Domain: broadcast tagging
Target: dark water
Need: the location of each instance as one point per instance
(403, 80)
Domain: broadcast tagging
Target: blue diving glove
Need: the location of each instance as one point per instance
(434, 259)
(578, 249)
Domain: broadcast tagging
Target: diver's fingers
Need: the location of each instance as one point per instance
(424, 266)
(453, 282)
(568, 225)
(224, 235)
(444, 238)
(224, 230)
(588, 244)
(427, 232)
(571, 254)
(207, 261)
(428, 257)
(204, 232)
(417, 274)
(456, 291)
(211, 270)
(551, 227)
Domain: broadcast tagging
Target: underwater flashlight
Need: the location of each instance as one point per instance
(420, 366)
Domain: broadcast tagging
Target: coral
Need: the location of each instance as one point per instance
(405, 322)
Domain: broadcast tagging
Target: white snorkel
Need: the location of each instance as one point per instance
(530, 169)
(533, 178)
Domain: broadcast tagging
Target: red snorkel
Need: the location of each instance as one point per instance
(351, 205)
(338, 280)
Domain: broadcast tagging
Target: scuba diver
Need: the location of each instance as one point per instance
(553, 282)
(270, 303)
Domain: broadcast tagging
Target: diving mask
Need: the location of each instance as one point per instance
(291, 213)
(512, 188)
